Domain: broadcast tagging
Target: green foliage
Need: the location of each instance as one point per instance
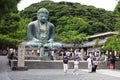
(6, 40)
(113, 43)
(96, 43)
(80, 17)
(117, 9)
(13, 30)
(99, 27)
(73, 21)
(71, 37)
(117, 25)
(117, 13)
(7, 6)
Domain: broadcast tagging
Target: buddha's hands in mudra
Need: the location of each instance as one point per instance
(39, 41)
(50, 41)
(35, 40)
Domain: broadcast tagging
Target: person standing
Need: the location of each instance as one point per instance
(38, 52)
(112, 63)
(65, 64)
(76, 62)
(89, 60)
(106, 59)
(95, 64)
(52, 55)
(33, 52)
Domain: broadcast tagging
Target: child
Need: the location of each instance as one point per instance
(76, 62)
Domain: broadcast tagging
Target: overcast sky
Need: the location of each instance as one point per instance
(106, 4)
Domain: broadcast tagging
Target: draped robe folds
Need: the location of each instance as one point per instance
(40, 36)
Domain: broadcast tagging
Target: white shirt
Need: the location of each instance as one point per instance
(76, 62)
(89, 61)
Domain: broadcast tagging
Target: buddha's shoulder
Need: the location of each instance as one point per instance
(33, 23)
(50, 24)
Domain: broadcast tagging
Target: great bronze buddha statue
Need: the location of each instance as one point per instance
(41, 32)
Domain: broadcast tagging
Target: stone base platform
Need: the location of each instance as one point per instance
(15, 68)
(56, 64)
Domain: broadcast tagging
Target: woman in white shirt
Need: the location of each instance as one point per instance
(89, 64)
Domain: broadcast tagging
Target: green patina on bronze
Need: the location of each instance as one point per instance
(41, 32)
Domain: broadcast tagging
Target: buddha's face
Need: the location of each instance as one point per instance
(43, 17)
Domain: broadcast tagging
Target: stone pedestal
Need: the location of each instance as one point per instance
(21, 55)
(41, 51)
(44, 53)
(82, 54)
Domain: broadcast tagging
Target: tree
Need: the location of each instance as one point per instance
(96, 43)
(13, 31)
(7, 6)
(117, 9)
(113, 43)
(72, 37)
(99, 27)
(66, 17)
(117, 25)
(117, 13)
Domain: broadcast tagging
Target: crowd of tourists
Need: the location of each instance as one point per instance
(70, 53)
(75, 55)
(94, 60)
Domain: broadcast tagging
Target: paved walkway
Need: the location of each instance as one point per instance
(54, 74)
(114, 73)
(57, 74)
(4, 68)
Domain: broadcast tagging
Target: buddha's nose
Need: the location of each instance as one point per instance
(44, 18)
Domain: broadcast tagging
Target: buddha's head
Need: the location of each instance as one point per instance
(42, 15)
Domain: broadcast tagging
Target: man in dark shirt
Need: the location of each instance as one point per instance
(112, 63)
(65, 64)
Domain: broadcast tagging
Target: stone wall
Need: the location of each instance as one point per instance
(37, 64)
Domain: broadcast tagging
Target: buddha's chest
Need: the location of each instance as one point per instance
(43, 32)
(43, 28)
